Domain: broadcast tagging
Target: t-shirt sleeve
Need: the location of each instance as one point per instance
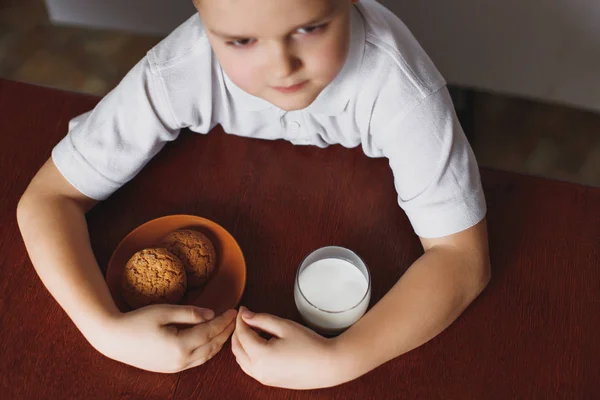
(435, 171)
(108, 146)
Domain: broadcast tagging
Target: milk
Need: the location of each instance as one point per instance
(331, 294)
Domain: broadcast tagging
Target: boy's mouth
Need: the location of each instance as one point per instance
(290, 89)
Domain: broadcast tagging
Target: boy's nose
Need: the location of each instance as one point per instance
(283, 62)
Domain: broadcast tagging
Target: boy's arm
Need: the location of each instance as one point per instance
(51, 217)
(432, 293)
(428, 297)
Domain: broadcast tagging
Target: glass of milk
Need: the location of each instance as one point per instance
(332, 289)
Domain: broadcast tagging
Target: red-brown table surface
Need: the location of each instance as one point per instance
(533, 333)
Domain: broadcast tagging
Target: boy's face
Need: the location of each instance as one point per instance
(283, 51)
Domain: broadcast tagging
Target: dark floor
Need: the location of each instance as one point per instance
(508, 133)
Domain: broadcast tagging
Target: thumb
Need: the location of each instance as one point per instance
(264, 322)
(173, 314)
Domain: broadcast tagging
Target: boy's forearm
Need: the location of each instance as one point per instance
(55, 233)
(432, 293)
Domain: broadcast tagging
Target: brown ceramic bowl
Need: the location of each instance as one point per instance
(222, 291)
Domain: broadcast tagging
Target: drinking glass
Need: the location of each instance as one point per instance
(332, 289)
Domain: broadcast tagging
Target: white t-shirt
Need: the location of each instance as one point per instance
(389, 98)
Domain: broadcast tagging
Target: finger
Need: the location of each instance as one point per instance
(238, 351)
(201, 334)
(174, 314)
(265, 322)
(204, 353)
(249, 340)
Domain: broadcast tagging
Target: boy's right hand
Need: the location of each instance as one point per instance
(147, 338)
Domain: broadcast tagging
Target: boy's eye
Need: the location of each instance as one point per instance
(310, 29)
(241, 42)
(303, 31)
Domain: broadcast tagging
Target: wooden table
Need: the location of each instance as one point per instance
(533, 333)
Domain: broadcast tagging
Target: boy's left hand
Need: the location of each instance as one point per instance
(295, 357)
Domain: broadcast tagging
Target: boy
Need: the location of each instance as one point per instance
(309, 71)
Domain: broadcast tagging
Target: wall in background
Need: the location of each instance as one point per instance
(543, 49)
(157, 17)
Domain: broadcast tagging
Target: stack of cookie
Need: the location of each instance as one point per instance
(184, 260)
